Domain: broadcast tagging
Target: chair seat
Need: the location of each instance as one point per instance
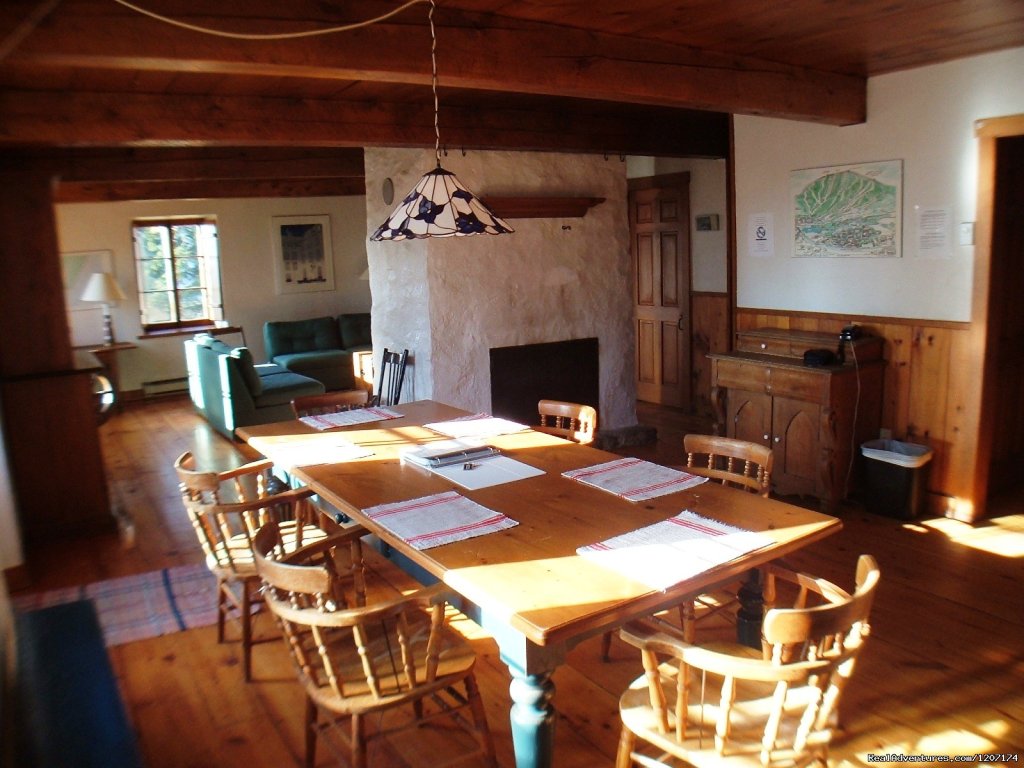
(747, 720)
(241, 563)
(455, 660)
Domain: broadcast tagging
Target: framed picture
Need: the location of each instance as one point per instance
(303, 262)
(848, 210)
(707, 222)
(77, 267)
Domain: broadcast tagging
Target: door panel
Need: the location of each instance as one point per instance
(659, 228)
(795, 445)
(749, 416)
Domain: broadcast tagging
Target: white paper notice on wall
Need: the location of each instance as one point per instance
(761, 235)
(933, 233)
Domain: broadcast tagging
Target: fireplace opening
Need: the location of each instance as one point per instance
(558, 370)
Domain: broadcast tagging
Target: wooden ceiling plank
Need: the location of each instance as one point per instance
(200, 188)
(530, 59)
(30, 118)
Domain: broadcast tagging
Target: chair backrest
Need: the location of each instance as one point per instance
(390, 376)
(782, 708)
(362, 657)
(572, 421)
(244, 483)
(330, 402)
(737, 463)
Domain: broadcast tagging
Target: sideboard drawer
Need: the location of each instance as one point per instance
(809, 384)
(740, 374)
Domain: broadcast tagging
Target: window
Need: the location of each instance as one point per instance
(178, 270)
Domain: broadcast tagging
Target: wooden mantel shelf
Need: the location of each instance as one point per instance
(541, 207)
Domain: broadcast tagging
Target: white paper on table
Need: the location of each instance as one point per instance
(674, 550)
(478, 425)
(495, 470)
(310, 450)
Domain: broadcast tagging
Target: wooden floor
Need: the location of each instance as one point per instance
(943, 673)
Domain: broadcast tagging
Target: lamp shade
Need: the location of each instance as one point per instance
(439, 206)
(102, 287)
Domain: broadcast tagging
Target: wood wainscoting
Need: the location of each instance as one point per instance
(711, 332)
(925, 383)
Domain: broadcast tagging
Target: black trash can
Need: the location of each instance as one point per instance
(895, 477)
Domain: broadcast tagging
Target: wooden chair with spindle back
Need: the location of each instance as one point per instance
(330, 402)
(732, 462)
(725, 705)
(226, 509)
(361, 661)
(571, 421)
(390, 377)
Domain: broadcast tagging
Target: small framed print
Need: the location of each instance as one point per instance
(707, 222)
(303, 262)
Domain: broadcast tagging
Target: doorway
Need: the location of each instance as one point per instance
(659, 228)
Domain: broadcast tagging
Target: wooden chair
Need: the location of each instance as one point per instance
(729, 705)
(226, 509)
(330, 402)
(359, 664)
(390, 377)
(572, 421)
(736, 463)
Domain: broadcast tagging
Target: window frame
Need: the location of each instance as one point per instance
(212, 287)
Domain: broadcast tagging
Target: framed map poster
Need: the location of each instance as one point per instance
(848, 210)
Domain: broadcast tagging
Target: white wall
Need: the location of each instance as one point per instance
(247, 268)
(924, 117)
(709, 265)
(449, 301)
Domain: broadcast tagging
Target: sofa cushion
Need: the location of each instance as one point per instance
(288, 337)
(282, 388)
(247, 369)
(333, 368)
(355, 330)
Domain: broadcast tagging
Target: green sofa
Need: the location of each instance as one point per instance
(320, 348)
(231, 391)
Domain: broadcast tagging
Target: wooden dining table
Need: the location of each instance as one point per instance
(526, 585)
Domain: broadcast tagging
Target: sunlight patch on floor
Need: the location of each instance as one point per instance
(1000, 536)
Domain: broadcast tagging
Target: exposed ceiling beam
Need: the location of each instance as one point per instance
(36, 118)
(200, 188)
(527, 58)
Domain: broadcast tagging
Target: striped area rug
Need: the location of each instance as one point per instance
(143, 605)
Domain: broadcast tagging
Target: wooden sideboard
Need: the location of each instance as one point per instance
(813, 417)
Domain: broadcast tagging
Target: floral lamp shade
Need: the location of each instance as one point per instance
(439, 206)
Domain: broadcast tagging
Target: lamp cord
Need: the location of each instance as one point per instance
(272, 35)
(433, 82)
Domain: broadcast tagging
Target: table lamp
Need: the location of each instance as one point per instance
(103, 287)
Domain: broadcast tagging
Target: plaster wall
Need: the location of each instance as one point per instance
(924, 117)
(450, 300)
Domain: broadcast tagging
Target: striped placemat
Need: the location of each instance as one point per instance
(439, 519)
(634, 479)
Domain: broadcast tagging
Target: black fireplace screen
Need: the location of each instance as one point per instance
(558, 370)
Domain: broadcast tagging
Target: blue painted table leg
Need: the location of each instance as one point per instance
(533, 719)
(751, 612)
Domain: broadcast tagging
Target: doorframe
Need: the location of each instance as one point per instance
(673, 179)
(980, 408)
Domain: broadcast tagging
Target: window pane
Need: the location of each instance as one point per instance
(188, 273)
(157, 308)
(152, 242)
(185, 241)
(192, 304)
(155, 274)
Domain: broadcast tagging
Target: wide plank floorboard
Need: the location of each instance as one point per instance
(942, 674)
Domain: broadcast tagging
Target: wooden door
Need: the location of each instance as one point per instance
(659, 215)
(1006, 321)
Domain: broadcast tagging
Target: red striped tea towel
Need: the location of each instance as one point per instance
(439, 519)
(634, 479)
(476, 425)
(674, 550)
(349, 418)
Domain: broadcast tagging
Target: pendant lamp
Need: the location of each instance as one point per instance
(439, 205)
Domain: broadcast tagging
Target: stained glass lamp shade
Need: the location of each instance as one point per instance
(439, 206)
